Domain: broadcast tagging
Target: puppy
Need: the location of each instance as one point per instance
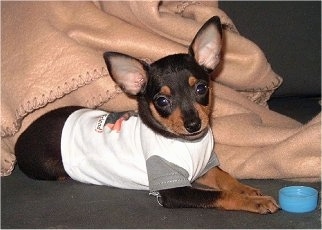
(167, 148)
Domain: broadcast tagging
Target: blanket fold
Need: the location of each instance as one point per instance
(52, 57)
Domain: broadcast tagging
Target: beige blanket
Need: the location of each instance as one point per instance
(52, 57)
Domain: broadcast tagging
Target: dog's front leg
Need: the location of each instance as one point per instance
(218, 179)
(188, 197)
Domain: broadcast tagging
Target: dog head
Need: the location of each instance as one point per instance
(173, 93)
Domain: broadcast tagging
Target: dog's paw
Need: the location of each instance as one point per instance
(8, 162)
(247, 190)
(261, 204)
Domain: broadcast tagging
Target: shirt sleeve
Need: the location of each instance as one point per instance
(163, 174)
(213, 162)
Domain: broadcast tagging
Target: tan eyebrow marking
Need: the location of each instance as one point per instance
(165, 90)
(192, 80)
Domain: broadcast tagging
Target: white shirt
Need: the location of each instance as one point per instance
(105, 149)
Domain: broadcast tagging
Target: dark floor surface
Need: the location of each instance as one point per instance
(28, 203)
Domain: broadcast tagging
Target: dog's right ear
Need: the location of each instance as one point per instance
(128, 72)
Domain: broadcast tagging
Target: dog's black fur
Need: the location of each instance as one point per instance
(174, 100)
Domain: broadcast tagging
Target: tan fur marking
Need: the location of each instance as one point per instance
(203, 112)
(192, 81)
(256, 204)
(173, 123)
(221, 180)
(165, 90)
(233, 201)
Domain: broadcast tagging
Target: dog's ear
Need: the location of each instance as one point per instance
(206, 45)
(128, 72)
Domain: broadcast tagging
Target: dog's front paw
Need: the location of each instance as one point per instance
(8, 162)
(262, 204)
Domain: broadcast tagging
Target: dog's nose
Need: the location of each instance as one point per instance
(192, 125)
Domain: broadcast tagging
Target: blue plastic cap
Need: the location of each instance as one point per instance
(298, 199)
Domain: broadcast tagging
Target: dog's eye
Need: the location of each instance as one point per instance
(162, 101)
(201, 88)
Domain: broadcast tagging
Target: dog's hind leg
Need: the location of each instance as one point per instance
(38, 147)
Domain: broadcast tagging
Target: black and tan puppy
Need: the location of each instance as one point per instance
(167, 148)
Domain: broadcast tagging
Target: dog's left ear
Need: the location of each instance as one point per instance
(128, 72)
(206, 45)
